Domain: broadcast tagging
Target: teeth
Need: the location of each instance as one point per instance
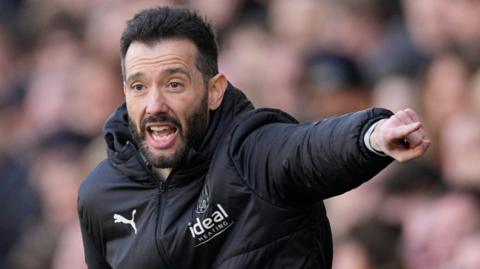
(159, 128)
(162, 138)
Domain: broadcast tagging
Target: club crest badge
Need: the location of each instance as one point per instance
(203, 200)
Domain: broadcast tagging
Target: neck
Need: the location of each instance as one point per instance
(163, 172)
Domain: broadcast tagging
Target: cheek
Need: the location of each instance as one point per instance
(186, 105)
(185, 110)
(135, 111)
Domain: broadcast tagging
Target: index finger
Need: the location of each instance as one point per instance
(414, 117)
(403, 131)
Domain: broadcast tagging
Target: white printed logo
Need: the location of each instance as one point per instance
(121, 219)
(208, 228)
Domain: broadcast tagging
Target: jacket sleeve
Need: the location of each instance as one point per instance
(94, 256)
(295, 164)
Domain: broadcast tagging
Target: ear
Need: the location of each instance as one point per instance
(216, 89)
(124, 88)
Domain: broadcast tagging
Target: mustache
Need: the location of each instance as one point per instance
(160, 118)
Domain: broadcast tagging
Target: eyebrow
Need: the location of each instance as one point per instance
(169, 71)
(175, 70)
(135, 76)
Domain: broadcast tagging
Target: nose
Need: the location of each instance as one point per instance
(156, 102)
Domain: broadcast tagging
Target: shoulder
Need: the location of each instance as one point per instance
(96, 178)
(262, 116)
(256, 119)
(92, 190)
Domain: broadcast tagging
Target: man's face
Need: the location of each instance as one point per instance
(167, 99)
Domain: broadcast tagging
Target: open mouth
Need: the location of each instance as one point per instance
(162, 135)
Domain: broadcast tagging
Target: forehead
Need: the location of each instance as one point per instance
(165, 52)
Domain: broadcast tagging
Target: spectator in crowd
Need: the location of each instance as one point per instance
(432, 231)
(466, 253)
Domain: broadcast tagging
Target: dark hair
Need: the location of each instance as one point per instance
(152, 25)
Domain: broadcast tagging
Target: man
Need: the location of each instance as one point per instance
(198, 178)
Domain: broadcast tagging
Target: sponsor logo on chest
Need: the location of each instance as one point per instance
(204, 230)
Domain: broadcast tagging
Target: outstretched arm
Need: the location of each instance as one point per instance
(294, 164)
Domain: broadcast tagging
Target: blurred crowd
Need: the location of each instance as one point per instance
(60, 79)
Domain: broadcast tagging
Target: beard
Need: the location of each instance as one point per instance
(190, 136)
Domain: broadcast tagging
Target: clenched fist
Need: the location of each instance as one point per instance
(401, 137)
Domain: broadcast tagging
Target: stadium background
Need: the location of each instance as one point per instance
(60, 79)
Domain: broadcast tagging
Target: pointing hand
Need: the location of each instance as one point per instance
(401, 137)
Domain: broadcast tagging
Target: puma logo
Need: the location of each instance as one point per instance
(121, 219)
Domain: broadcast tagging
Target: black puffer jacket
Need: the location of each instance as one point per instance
(249, 197)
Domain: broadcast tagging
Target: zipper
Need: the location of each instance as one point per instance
(162, 188)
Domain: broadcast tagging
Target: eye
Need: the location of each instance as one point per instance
(175, 84)
(138, 87)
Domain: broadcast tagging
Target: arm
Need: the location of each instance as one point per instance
(296, 164)
(94, 257)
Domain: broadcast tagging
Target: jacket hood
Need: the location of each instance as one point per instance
(123, 153)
